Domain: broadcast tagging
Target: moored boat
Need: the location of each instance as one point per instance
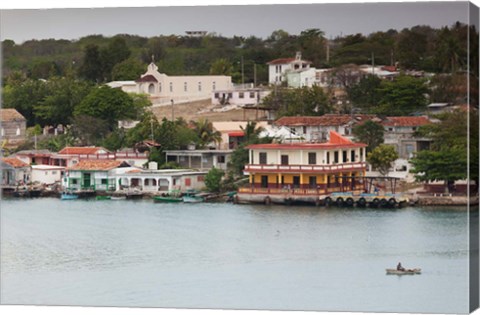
(414, 271)
(68, 196)
(103, 197)
(170, 199)
(192, 199)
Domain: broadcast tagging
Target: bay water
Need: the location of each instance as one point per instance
(218, 255)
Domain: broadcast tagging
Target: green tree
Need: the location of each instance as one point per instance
(382, 157)
(302, 101)
(206, 133)
(221, 67)
(109, 105)
(213, 180)
(370, 133)
(251, 132)
(91, 67)
(403, 96)
(129, 69)
(63, 95)
(365, 93)
(116, 52)
(446, 165)
(24, 96)
(89, 130)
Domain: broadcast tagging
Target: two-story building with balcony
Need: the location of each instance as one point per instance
(304, 172)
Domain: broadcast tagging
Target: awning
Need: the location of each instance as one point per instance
(236, 134)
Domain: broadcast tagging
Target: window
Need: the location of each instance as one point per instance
(54, 172)
(284, 159)
(74, 181)
(409, 150)
(217, 95)
(230, 95)
(262, 158)
(199, 86)
(200, 178)
(214, 86)
(171, 87)
(312, 158)
(160, 87)
(304, 129)
(104, 181)
(328, 157)
(188, 182)
(252, 94)
(151, 89)
(241, 95)
(335, 157)
(185, 87)
(352, 156)
(312, 180)
(221, 159)
(345, 156)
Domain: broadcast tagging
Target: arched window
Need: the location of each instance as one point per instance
(151, 88)
(171, 87)
(199, 86)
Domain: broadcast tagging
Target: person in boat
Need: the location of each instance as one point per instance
(400, 267)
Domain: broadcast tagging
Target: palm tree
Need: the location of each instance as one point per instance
(251, 132)
(206, 133)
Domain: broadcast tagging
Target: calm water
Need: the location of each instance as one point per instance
(137, 253)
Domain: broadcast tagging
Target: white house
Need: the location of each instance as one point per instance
(301, 77)
(244, 96)
(278, 68)
(47, 174)
(153, 180)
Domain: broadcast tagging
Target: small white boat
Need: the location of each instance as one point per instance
(414, 271)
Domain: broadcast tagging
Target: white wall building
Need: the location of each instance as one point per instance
(161, 87)
(278, 68)
(239, 97)
(47, 174)
(301, 78)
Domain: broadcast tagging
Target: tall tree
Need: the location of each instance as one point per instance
(91, 67)
(382, 157)
(206, 133)
(110, 105)
(370, 133)
(365, 93)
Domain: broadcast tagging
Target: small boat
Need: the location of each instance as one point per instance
(68, 196)
(414, 271)
(103, 197)
(118, 198)
(170, 199)
(192, 199)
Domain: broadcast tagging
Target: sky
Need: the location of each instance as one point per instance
(242, 20)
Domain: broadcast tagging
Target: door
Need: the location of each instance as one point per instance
(264, 182)
(296, 181)
(87, 180)
(312, 180)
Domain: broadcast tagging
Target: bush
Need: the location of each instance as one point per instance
(213, 180)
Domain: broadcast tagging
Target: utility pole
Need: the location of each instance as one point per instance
(373, 63)
(254, 75)
(173, 113)
(243, 75)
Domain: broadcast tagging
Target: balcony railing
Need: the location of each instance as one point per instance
(303, 168)
(299, 191)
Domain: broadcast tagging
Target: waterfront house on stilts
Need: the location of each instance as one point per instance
(303, 172)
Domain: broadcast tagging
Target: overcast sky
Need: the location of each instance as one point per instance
(259, 20)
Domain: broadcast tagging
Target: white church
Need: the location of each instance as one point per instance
(164, 89)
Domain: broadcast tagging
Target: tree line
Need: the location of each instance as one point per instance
(123, 57)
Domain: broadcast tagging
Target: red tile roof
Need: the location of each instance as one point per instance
(336, 141)
(96, 165)
(81, 150)
(325, 120)
(406, 121)
(147, 78)
(14, 162)
(10, 114)
(281, 61)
